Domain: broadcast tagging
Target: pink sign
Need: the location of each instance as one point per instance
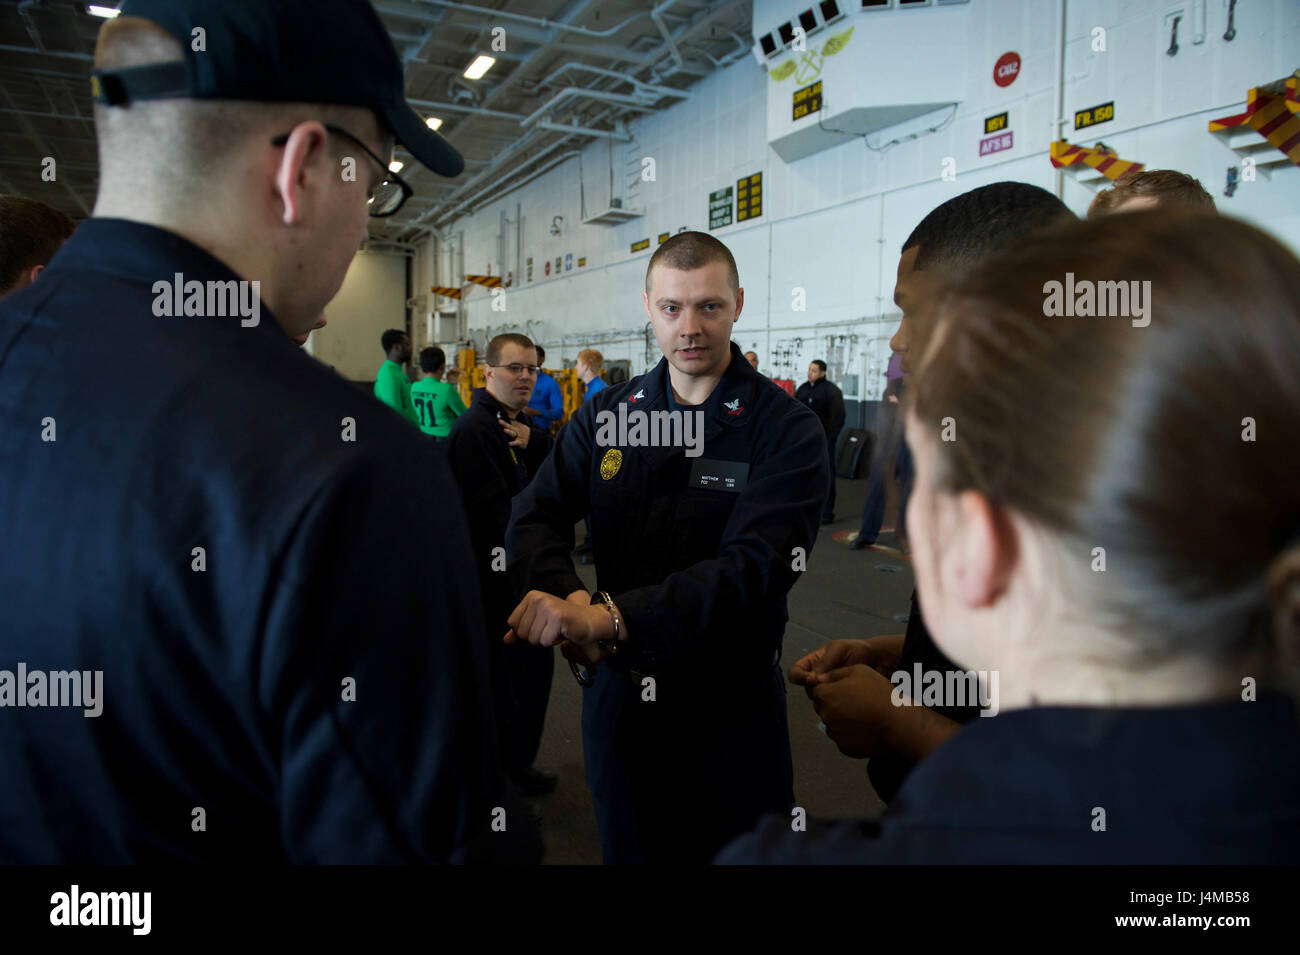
(995, 144)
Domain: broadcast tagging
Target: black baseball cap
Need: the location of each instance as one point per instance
(280, 51)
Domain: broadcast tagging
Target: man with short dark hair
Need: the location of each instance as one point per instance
(30, 233)
(437, 403)
(824, 398)
(392, 387)
(698, 538)
(849, 680)
(203, 514)
(494, 453)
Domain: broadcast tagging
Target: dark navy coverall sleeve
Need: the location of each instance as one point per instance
(774, 521)
(409, 771)
(540, 535)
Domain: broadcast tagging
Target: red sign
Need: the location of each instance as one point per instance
(1006, 69)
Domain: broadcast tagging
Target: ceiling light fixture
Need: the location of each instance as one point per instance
(97, 11)
(480, 66)
(433, 122)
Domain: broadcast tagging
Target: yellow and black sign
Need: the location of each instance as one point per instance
(664, 237)
(808, 100)
(995, 124)
(1094, 115)
(641, 246)
(749, 197)
(582, 261)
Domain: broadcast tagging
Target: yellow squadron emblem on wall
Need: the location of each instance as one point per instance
(610, 463)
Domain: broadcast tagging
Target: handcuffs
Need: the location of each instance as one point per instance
(582, 672)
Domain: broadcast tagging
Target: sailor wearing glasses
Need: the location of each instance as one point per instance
(494, 453)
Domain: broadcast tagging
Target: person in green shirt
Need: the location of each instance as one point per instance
(437, 403)
(392, 387)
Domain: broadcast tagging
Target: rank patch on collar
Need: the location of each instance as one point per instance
(610, 463)
(733, 407)
(640, 393)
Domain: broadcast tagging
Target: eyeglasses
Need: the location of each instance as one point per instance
(517, 369)
(387, 197)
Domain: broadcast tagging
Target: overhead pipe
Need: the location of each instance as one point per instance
(487, 173)
(31, 51)
(584, 131)
(542, 22)
(40, 115)
(685, 30)
(462, 108)
(729, 58)
(657, 16)
(25, 13)
(574, 11)
(569, 92)
(476, 199)
(438, 213)
(1059, 83)
(612, 52)
(571, 12)
(615, 74)
(496, 190)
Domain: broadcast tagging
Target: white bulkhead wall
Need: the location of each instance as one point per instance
(832, 223)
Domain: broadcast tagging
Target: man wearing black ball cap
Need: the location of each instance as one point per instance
(203, 513)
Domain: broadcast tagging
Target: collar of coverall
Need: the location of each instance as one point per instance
(729, 404)
(489, 401)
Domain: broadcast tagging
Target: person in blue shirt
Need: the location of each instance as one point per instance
(1126, 628)
(589, 364)
(547, 406)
